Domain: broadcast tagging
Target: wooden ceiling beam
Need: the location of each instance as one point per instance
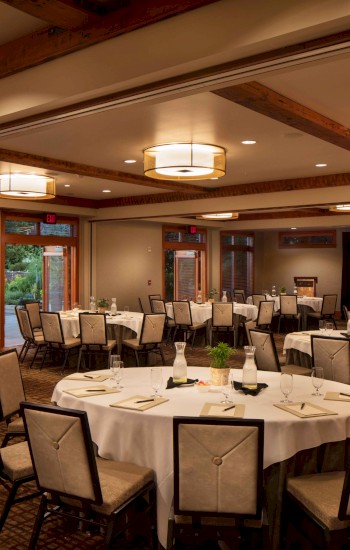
(57, 165)
(57, 13)
(265, 101)
(53, 42)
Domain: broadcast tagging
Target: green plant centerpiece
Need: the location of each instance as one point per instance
(211, 294)
(283, 290)
(102, 304)
(219, 367)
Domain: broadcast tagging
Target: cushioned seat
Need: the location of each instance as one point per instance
(93, 335)
(150, 338)
(54, 337)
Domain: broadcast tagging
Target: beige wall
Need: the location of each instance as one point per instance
(279, 266)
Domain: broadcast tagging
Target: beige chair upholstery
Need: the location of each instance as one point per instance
(26, 343)
(239, 296)
(153, 297)
(266, 357)
(265, 314)
(257, 298)
(33, 309)
(318, 507)
(16, 468)
(87, 488)
(327, 312)
(11, 394)
(150, 338)
(183, 321)
(93, 336)
(34, 340)
(218, 473)
(333, 354)
(158, 306)
(54, 337)
(222, 321)
(248, 325)
(289, 310)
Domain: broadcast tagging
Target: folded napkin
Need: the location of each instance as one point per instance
(93, 377)
(139, 402)
(172, 384)
(90, 392)
(246, 391)
(225, 410)
(305, 410)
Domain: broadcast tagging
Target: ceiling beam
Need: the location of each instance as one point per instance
(57, 13)
(57, 165)
(53, 42)
(265, 101)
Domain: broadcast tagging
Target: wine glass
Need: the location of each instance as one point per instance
(321, 325)
(156, 381)
(126, 311)
(117, 369)
(227, 389)
(286, 385)
(329, 328)
(317, 378)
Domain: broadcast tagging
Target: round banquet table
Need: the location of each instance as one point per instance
(146, 437)
(297, 346)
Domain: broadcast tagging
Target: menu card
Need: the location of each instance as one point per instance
(139, 402)
(304, 410)
(337, 396)
(93, 377)
(90, 391)
(218, 409)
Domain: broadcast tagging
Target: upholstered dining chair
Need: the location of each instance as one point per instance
(11, 394)
(248, 325)
(158, 306)
(239, 296)
(257, 298)
(153, 297)
(222, 321)
(265, 314)
(93, 336)
(184, 323)
(316, 507)
(150, 340)
(266, 356)
(327, 313)
(34, 340)
(289, 310)
(218, 481)
(16, 468)
(76, 483)
(26, 342)
(54, 337)
(33, 309)
(333, 354)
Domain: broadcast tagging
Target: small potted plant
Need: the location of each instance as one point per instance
(219, 367)
(211, 294)
(102, 305)
(283, 290)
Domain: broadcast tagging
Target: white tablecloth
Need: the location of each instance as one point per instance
(133, 321)
(146, 437)
(275, 299)
(301, 341)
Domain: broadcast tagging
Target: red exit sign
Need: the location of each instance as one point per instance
(49, 218)
(192, 229)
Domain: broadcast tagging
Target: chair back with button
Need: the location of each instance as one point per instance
(158, 306)
(54, 336)
(222, 315)
(93, 329)
(288, 304)
(214, 460)
(76, 483)
(182, 313)
(329, 304)
(333, 354)
(257, 298)
(33, 309)
(265, 313)
(11, 394)
(239, 296)
(153, 297)
(152, 328)
(266, 357)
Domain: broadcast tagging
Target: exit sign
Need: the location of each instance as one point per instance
(49, 218)
(192, 229)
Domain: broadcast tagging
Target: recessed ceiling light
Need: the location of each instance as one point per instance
(293, 227)
(219, 216)
(340, 208)
(214, 178)
(130, 161)
(248, 142)
(66, 185)
(106, 190)
(320, 165)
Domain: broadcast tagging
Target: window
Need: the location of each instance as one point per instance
(307, 239)
(237, 253)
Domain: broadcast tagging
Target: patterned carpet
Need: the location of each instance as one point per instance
(39, 386)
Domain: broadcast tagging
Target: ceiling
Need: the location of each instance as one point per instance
(86, 85)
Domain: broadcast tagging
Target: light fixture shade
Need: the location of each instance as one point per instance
(184, 161)
(219, 216)
(340, 208)
(27, 186)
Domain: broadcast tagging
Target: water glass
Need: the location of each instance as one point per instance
(126, 311)
(329, 328)
(117, 369)
(156, 381)
(286, 385)
(317, 378)
(322, 326)
(227, 389)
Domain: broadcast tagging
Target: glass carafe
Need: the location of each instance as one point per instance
(249, 374)
(224, 296)
(180, 363)
(114, 306)
(92, 304)
(273, 291)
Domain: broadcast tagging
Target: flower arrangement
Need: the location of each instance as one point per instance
(220, 354)
(102, 302)
(212, 292)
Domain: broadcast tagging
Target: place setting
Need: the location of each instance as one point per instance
(226, 407)
(144, 402)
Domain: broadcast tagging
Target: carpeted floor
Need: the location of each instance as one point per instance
(38, 387)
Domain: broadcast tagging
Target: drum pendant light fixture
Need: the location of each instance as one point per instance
(184, 161)
(27, 186)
